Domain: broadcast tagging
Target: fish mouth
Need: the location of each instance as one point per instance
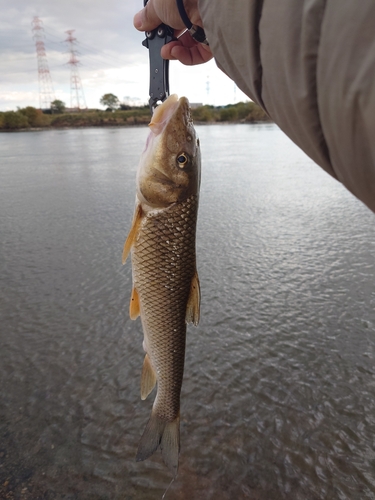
(165, 112)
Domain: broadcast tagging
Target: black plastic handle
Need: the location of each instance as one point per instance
(159, 67)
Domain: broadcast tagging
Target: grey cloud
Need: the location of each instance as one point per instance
(104, 31)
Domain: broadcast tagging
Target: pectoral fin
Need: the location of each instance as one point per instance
(193, 306)
(132, 233)
(134, 308)
(148, 378)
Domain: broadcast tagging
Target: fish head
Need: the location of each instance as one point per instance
(169, 170)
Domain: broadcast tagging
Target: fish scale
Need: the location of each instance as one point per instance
(163, 259)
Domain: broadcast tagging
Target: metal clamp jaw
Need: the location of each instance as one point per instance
(159, 67)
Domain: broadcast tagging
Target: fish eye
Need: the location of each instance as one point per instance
(182, 160)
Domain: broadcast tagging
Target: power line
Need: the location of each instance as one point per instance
(85, 47)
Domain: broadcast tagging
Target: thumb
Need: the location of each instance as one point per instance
(147, 19)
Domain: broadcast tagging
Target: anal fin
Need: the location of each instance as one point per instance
(193, 305)
(148, 378)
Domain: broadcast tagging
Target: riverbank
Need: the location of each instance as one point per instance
(33, 119)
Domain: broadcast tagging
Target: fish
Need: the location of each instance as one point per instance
(165, 290)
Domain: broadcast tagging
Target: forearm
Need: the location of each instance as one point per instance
(311, 70)
(309, 65)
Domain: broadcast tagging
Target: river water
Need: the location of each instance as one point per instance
(278, 399)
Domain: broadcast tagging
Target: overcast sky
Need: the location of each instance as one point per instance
(112, 58)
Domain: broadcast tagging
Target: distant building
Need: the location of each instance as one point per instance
(195, 105)
(76, 110)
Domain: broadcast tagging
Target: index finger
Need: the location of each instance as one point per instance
(155, 13)
(147, 19)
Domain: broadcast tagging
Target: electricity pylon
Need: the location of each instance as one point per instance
(77, 97)
(46, 92)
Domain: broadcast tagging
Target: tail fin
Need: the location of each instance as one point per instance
(167, 435)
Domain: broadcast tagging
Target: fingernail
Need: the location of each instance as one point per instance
(137, 21)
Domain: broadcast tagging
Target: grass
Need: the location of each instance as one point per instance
(31, 118)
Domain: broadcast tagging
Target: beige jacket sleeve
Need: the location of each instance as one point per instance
(310, 64)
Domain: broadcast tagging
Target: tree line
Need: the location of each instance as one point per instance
(121, 115)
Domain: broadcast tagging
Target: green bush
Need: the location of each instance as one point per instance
(228, 114)
(32, 117)
(13, 120)
(203, 114)
(244, 109)
(256, 114)
(23, 118)
(35, 117)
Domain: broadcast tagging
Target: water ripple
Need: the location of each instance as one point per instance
(278, 399)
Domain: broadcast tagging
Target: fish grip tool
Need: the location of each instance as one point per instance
(159, 67)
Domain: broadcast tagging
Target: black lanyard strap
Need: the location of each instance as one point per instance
(195, 31)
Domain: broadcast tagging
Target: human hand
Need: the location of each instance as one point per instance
(185, 49)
